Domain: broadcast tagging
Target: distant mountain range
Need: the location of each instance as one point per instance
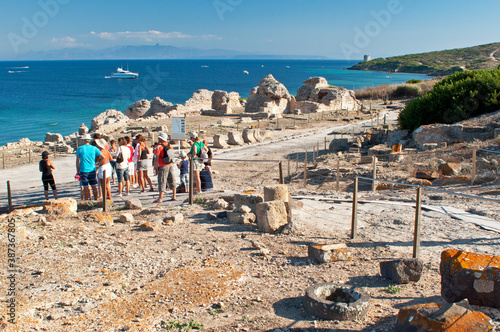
(151, 52)
(438, 63)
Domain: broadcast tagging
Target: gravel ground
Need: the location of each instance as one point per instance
(78, 274)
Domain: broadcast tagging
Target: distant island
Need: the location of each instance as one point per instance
(439, 63)
(156, 52)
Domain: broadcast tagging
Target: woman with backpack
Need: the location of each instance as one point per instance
(164, 164)
(196, 150)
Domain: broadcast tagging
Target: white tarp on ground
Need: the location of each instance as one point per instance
(483, 222)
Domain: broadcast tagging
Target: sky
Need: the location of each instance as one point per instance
(330, 28)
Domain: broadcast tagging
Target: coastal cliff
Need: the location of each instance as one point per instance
(439, 63)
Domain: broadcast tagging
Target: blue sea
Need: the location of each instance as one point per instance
(58, 96)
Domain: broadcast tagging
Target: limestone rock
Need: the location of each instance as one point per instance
(249, 200)
(427, 175)
(448, 317)
(56, 138)
(402, 271)
(271, 216)
(471, 276)
(133, 204)
(98, 217)
(317, 95)
(138, 109)
(244, 209)
(277, 192)
(234, 138)
(126, 218)
(148, 226)
(221, 204)
(60, 207)
(220, 142)
(339, 144)
(248, 136)
(241, 218)
(270, 96)
(174, 219)
(324, 253)
(419, 182)
(158, 106)
(225, 102)
(109, 121)
(200, 100)
(438, 133)
(449, 180)
(450, 169)
(83, 129)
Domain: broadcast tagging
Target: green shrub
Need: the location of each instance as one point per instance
(457, 97)
(407, 90)
(412, 81)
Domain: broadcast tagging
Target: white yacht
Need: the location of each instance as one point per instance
(122, 73)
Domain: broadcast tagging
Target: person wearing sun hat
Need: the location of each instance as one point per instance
(86, 157)
(164, 167)
(197, 148)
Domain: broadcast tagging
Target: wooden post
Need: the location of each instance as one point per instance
(280, 167)
(314, 156)
(305, 170)
(258, 123)
(385, 118)
(338, 175)
(30, 156)
(288, 168)
(325, 144)
(9, 196)
(416, 234)
(191, 180)
(474, 160)
(3, 157)
(374, 173)
(104, 193)
(317, 146)
(354, 220)
(277, 123)
(297, 163)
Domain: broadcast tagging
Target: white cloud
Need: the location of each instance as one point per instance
(148, 36)
(65, 42)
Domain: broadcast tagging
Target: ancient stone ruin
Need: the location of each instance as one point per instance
(316, 95)
(269, 97)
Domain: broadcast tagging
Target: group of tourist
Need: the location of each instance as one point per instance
(97, 162)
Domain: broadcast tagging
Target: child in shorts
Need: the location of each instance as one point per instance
(183, 165)
(46, 166)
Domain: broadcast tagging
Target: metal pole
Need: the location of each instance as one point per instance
(374, 173)
(9, 195)
(305, 170)
(338, 175)
(314, 155)
(191, 180)
(474, 159)
(280, 167)
(354, 221)
(416, 235)
(104, 193)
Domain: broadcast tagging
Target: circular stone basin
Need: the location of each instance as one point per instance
(330, 301)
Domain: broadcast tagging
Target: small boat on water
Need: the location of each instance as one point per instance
(246, 72)
(122, 73)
